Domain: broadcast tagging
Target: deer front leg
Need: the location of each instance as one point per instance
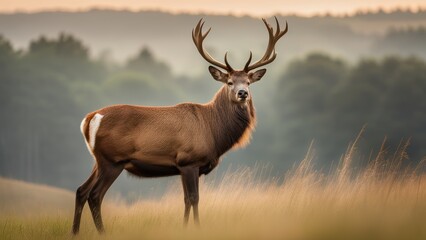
(190, 177)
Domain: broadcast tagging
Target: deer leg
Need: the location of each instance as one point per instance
(187, 211)
(190, 177)
(81, 196)
(107, 175)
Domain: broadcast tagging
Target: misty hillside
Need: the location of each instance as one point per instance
(119, 35)
(23, 198)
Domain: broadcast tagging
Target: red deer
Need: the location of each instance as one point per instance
(187, 139)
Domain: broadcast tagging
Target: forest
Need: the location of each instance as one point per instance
(47, 88)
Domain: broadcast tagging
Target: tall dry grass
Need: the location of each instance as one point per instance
(384, 200)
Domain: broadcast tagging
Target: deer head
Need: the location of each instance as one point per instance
(238, 81)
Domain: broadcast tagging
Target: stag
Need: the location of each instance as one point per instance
(187, 139)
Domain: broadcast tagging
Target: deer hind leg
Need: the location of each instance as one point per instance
(190, 179)
(107, 174)
(81, 196)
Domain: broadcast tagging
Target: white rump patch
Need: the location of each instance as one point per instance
(82, 131)
(93, 129)
(82, 125)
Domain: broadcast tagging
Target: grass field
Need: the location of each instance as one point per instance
(384, 201)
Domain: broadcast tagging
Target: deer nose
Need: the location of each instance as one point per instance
(242, 94)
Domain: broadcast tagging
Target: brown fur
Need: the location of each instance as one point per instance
(181, 135)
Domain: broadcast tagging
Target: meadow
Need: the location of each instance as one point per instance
(384, 200)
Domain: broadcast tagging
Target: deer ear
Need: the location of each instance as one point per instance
(256, 76)
(218, 75)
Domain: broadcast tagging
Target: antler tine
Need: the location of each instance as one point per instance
(270, 53)
(227, 64)
(196, 30)
(271, 38)
(198, 38)
(278, 25)
(248, 62)
(285, 30)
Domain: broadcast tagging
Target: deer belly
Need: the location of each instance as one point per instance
(144, 169)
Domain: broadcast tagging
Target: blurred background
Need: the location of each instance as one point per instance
(339, 68)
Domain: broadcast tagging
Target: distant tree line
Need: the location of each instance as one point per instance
(325, 99)
(47, 89)
(406, 41)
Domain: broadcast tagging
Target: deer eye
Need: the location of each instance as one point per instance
(230, 83)
(248, 83)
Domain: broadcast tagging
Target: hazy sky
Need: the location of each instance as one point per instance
(252, 7)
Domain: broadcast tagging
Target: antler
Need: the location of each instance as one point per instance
(198, 38)
(270, 53)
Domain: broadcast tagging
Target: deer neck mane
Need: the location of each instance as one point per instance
(231, 123)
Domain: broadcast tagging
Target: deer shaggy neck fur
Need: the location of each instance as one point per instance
(232, 123)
